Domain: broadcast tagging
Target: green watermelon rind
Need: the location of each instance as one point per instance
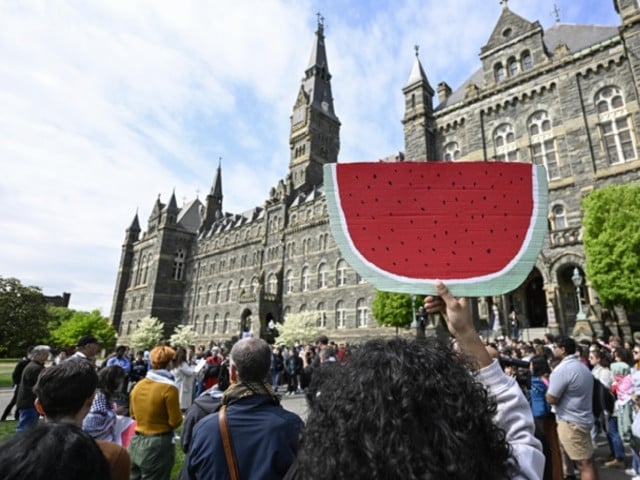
(503, 281)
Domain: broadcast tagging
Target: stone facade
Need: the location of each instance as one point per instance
(566, 97)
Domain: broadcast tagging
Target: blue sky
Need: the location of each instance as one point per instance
(106, 104)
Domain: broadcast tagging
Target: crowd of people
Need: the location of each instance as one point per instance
(388, 408)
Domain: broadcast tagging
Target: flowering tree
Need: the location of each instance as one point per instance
(147, 334)
(183, 336)
(300, 326)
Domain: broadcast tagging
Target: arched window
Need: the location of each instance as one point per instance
(543, 144)
(504, 141)
(362, 313)
(219, 293)
(225, 323)
(304, 279)
(341, 315)
(526, 61)
(615, 128)
(513, 67)
(272, 283)
(559, 217)
(199, 296)
(178, 265)
(240, 287)
(321, 321)
(289, 281)
(303, 307)
(196, 324)
(451, 151)
(254, 285)
(206, 327)
(498, 72)
(341, 273)
(216, 323)
(228, 296)
(208, 297)
(322, 275)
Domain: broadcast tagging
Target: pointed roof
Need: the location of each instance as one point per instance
(135, 224)
(157, 207)
(417, 74)
(317, 79)
(216, 188)
(510, 25)
(173, 205)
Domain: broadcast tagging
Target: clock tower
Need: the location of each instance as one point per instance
(315, 128)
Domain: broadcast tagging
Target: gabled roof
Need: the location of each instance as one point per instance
(516, 24)
(576, 37)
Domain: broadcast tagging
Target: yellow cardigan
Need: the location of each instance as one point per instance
(155, 407)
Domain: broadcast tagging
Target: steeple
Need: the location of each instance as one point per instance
(213, 208)
(317, 77)
(419, 133)
(315, 128)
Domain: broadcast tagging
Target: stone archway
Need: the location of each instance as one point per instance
(567, 295)
(535, 300)
(246, 323)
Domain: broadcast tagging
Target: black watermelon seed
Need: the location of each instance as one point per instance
(488, 250)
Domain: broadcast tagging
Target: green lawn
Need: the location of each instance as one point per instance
(9, 428)
(6, 369)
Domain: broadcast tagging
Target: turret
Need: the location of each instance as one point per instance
(419, 132)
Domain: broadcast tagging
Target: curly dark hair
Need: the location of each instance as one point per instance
(403, 409)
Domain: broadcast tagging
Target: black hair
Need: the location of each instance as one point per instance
(110, 379)
(64, 388)
(568, 343)
(52, 451)
(539, 366)
(403, 409)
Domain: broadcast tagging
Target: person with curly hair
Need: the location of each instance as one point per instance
(418, 409)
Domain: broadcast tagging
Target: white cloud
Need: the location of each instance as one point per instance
(104, 104)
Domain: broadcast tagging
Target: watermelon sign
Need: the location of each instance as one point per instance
(477, 226)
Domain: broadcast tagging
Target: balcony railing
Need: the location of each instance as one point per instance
(565, 236)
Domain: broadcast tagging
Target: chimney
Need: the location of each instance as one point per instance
(444, 91)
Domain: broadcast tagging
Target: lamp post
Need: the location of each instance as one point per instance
(582, 328)
(576, 278)
(414, 320)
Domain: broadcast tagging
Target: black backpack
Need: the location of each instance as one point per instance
(603, 399)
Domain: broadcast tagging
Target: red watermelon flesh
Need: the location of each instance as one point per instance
(447, 220)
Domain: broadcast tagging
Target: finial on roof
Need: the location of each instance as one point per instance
(320, 19)
(556, 12)
(504, 3)
(219, 162)
(416, 47)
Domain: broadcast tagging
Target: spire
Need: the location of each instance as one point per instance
(317, 78)
(135, 224)
(417, 74)
(216, 188)
(172, 207)
(133, 232)
(213, 206)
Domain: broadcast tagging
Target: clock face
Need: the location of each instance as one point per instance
(298, 115)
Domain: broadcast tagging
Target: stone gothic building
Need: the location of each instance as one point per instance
(565, 97)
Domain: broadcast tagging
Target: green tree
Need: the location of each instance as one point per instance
(299, 326)
(74, 324)
(23, 317)
(183, 336)
(612, 244)
(394, 309)
(148, 333)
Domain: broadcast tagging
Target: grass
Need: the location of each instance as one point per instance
(6, 369)
(7, 429)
